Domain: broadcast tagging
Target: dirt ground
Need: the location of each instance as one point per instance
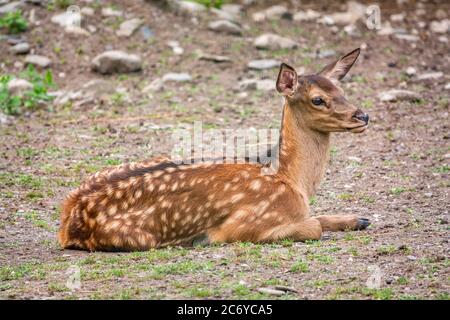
(396, 173)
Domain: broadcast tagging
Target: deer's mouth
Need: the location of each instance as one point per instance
(358, 129)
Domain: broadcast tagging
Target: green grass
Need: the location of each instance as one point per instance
(14, 22)
(300, 267)
(32, 98)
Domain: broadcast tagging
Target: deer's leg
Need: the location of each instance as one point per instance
(308, 229)
(342, 222)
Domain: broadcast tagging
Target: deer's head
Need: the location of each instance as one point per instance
(319, 101)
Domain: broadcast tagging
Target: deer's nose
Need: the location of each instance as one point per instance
(361, 116)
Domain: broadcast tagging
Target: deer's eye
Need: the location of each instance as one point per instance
(317, 101)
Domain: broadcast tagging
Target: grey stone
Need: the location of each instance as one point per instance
(127, 28)
(225, 26)
(307, 15)
(326, 53)
(213, 58)
(430, 76)
(116, 62)
(11, 7)
(263, 64)
(407, 37)
(440, 26)
(20, 48)
(18, 86)
(187, 7)
(398, 95)
(176, 77)
(37, 60)
(272, 292)
(255, 84)
(274, 42)
(110, 12)
(272, 13)
(67, 19)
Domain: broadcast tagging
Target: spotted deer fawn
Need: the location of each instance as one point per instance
(159, 202)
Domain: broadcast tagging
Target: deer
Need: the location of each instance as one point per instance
(158, 203)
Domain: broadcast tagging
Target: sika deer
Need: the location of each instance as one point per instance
(159, 203)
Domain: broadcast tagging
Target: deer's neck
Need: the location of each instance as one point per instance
(303, 152)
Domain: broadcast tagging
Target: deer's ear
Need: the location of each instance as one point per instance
(337, 70)
(287, 80)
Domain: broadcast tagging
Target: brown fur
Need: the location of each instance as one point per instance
(158, 203)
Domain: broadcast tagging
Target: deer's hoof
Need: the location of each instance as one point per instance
(362, 224)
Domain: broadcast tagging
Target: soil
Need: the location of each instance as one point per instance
(396, 173)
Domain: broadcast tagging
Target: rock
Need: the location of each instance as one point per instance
(411, 71)
(254, 84)
(386, 30)
(97, 88)
(398, 95)
(11, 7)
(87, 11)
(307, 15)
(285, 289)
(155, 85)
(91, 28)
(272, 292)
(127, 28)
(412, 258)
(5, 119)
(213, 58)
(443, 39)
(407, 37)
(430, 76)
(110, 12)
(18, 87)
(447, 86)
(274, 42)
(352, 30)
(20, 48)
(326, 53)
(440, 26)
(146, 32)
(75, 30)
(187, 7)
(225, 26)
(176, 77)
(116, 62)
(234, 9)
(399, 17)
(175, 45)
(224, 15)
(272, 13)
(39, 61)
(67, 19)
(263, 64)
(355, 11)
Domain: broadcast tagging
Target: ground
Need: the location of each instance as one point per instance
(396, 173)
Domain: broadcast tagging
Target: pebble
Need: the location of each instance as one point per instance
(116, 62)
(128, 27)
(272, 292)
(410, 71)
(37, 60)
(20, 48)
(225, 26)
(430, 76)
(110, 12)
(274, 42)
(398, 95)
(177, 77)
(440, 26)
(263, 64)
